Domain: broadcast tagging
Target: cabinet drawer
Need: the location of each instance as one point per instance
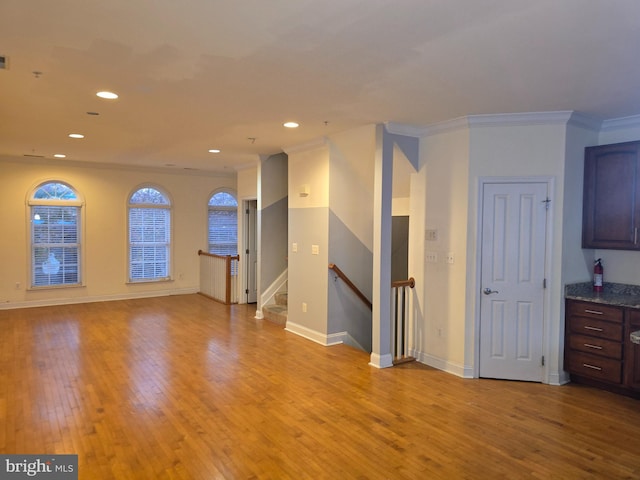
(595, 367)
(597, 311)
(596, 346)
(596, 328)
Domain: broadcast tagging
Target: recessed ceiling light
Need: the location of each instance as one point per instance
(291, 125)
(76, 135)
(107, 95)
(214, 150)
(60, 155)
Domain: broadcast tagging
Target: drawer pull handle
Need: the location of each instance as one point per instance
(592, 367)
(595, 329)
(595, 312)
(597, 347)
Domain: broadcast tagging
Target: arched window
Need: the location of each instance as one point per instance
(149, 235)
(223, 224)
(55, 214)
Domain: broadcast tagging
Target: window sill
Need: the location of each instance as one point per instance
(54, 287)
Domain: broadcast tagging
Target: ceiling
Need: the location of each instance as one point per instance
(200, 74)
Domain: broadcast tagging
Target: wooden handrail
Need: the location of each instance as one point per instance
(350, 284)
(233, 257)
(404, 283)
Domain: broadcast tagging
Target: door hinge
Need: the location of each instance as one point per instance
(247, 251)
(247, 211)
(247, 291)
(543, 360)
(546, 202)
(544, 283)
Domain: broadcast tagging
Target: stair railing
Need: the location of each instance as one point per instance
(339, 273)
(218, 277)
(401, 299)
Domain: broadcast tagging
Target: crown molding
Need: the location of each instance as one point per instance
(404, 129)
(632, 121)
(520, 119)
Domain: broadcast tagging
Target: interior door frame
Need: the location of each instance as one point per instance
(548, 261)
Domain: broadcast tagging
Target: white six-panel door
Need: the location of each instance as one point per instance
(512, 292)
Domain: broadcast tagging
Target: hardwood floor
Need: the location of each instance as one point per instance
(185, 388)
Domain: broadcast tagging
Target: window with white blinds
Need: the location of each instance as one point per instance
(54, 215)
(149, 235)
(223, 224)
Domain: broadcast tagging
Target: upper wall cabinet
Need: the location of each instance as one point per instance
(611, 208)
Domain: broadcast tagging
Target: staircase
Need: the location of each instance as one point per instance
(277, 312)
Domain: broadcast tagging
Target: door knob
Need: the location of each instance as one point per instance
(488, 291)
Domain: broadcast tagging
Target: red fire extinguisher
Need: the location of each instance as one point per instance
(598, 273)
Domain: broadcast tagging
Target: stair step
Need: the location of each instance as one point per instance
(281, 298)
(275, 313)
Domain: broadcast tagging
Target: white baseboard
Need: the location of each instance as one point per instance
(49, 302)
(307, 333)
(463, 371)
(559, 378)
(381, 361)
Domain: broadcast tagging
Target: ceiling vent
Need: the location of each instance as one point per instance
(4, 62)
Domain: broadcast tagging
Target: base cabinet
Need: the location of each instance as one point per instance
(598, 350)
(632, 353)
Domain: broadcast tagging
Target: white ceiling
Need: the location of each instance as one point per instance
(200, 74)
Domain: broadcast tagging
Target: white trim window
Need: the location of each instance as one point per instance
(149, 235)
(223, 224)
(55, 213)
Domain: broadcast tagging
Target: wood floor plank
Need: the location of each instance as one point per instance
(185, 388)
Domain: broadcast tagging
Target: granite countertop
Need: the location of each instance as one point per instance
(617, 294)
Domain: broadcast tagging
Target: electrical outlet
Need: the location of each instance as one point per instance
(17, 285)
(431, 235)
(315, 250)
(431, 257)
(450, 258)
(304, 307)
(294, 247)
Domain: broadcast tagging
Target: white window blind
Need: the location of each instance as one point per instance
(55, 236)
(149, 236)
(223, 224)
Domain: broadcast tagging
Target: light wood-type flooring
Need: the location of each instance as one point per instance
(185, 388)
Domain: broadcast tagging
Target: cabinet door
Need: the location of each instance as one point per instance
(632, 352)
(611, 207)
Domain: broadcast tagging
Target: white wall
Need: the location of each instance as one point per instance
(439, 202)
(106, 191)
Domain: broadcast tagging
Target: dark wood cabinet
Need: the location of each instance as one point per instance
(594, 341)
(611, 204)
(598, 350)
(632, 352)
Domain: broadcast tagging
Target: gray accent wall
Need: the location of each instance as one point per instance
(274, 241)
(273, 218)
(346, 312)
